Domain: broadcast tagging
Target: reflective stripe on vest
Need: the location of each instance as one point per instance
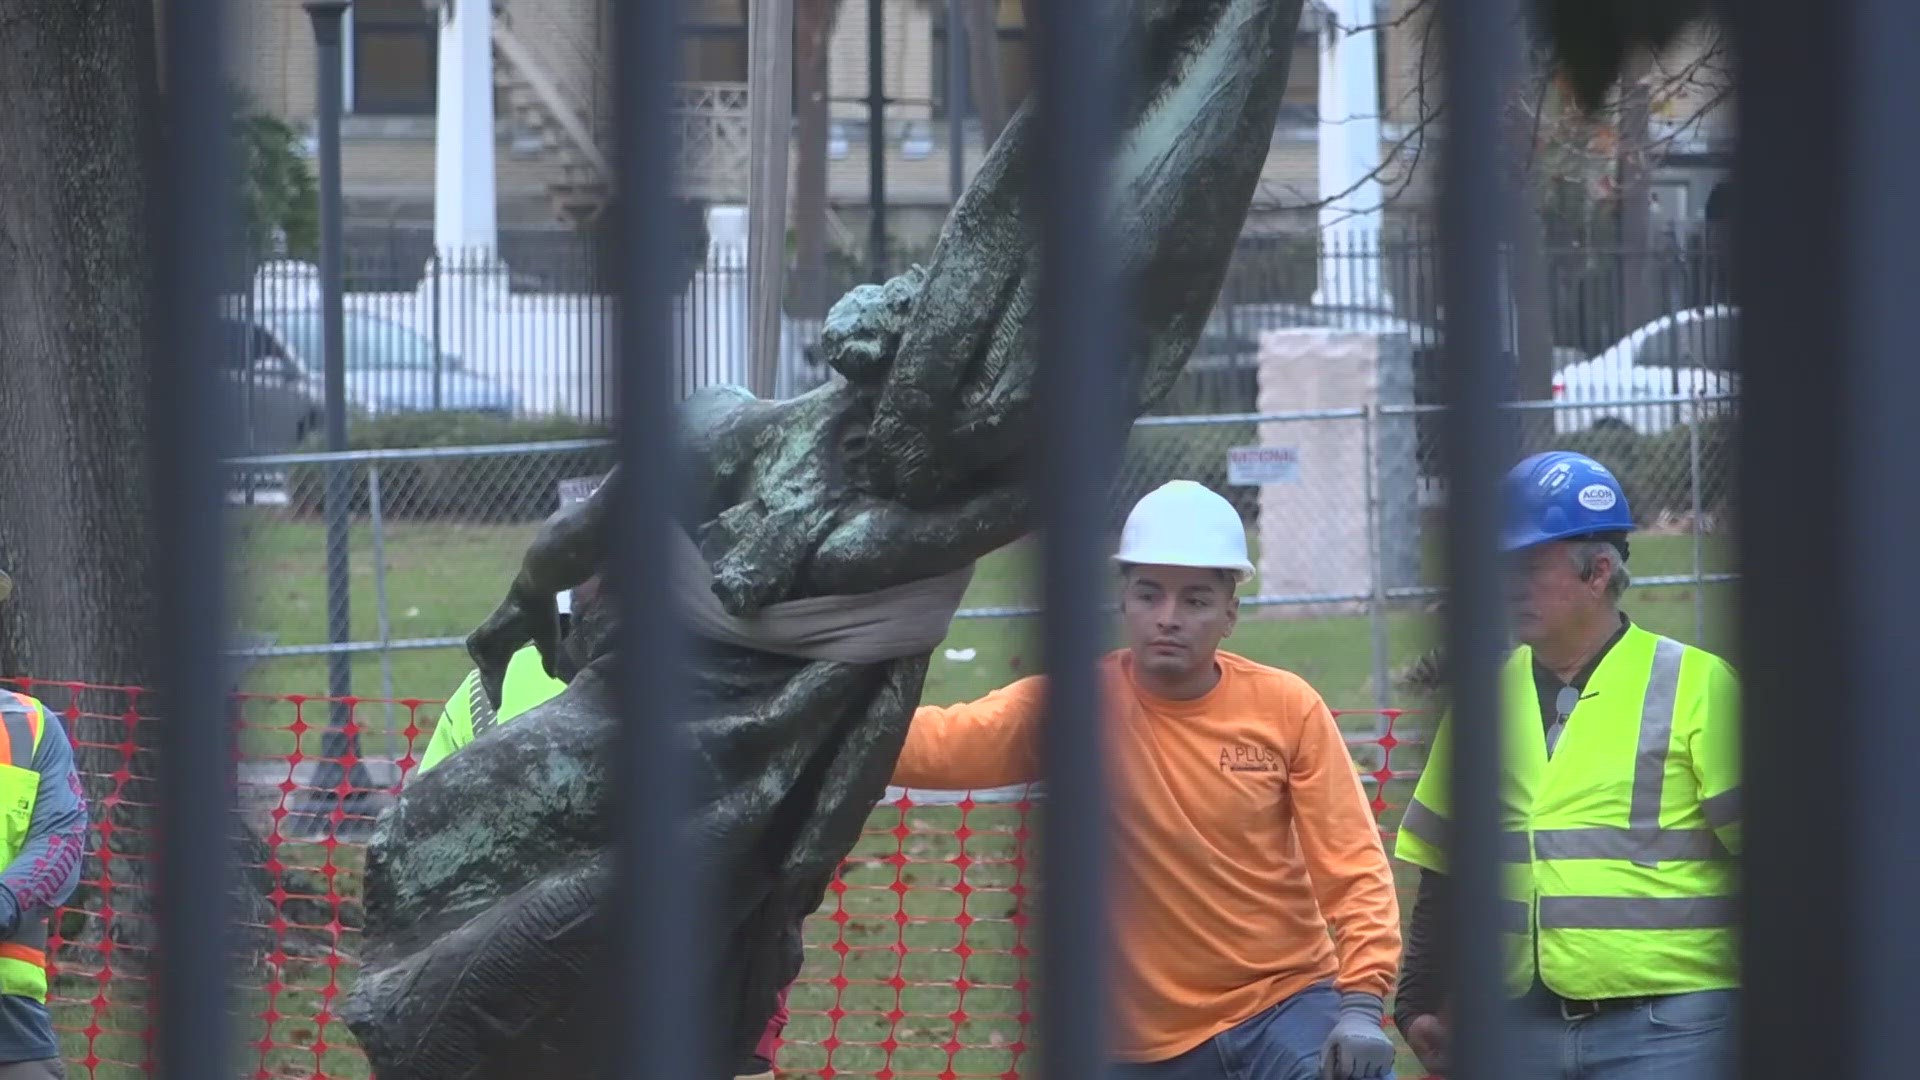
(1643, 842)
(480, 711)
(23, 960)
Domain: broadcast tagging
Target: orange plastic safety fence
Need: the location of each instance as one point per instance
(917, 963)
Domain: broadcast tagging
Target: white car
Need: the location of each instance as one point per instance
(1687, 354)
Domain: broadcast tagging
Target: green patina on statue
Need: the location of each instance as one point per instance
(487, 884)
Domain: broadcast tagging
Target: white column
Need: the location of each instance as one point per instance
(464, 208)
(1349, 157)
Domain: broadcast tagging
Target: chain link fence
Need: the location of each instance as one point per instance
(1342, 510)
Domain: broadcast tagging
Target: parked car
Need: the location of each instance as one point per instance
(1685, 354)
(274, 363)
(276, 407)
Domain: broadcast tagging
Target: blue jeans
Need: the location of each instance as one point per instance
(1678, 1037)
(1282, 1043)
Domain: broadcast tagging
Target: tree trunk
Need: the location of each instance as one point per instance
(813, 22)
(983, 63)
(1527, 264)
(1639, 267)
(78, 128)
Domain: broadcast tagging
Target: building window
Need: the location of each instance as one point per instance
(1011, 47)
(713, 44)
(713, 41)
(395, 57)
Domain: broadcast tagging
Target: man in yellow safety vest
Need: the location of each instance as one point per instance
(1620, 813)
(469, 714)
(44, 839)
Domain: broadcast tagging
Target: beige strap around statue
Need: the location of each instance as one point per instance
(861, 628)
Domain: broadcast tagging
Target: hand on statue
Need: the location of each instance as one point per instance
(525, 615)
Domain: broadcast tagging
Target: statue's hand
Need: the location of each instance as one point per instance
(525, 615)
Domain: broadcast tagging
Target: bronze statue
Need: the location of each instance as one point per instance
(486, 884)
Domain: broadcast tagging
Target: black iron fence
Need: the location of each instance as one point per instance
(1827, 226)
(526, 335)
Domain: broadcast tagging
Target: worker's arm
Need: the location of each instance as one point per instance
(1714, 750)
(1423, 962)
(47, 869)
(1347, 863)
(986, 743)
(455, 728)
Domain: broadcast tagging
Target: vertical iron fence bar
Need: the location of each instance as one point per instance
(439, 345)
(196, 786)
(326, 16)
(1800, 1006)
(1476, 37)
(1882, 224)
(659, 1002)
(1077, 93)
(876, 142)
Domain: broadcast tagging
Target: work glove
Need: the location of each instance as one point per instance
(1357, 1048)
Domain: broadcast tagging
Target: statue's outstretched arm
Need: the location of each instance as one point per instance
(566, 552)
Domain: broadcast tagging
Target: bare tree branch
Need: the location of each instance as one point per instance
(1700, 82)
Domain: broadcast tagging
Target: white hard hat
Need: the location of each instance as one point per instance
(1183, 523)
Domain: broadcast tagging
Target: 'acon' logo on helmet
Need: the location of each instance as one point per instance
(1597, 497)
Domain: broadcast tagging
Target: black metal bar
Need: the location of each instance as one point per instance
(956, 101)
(658, 1005)
(316, 804)
(876, 141)
(326, 16)
(1477, 41)
(1878, 215)
(1078, 91)
(1807, 861)
(193, 229)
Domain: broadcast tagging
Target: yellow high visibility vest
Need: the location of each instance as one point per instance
(1618, 851)
(23, 720)
(469, 714)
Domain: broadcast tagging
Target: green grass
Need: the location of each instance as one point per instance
(442, 580)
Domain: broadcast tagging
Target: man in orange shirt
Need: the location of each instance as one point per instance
(1242, 832)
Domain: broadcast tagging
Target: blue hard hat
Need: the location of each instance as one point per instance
(1559, 495)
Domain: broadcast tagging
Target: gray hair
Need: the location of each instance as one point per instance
(1584, 554)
